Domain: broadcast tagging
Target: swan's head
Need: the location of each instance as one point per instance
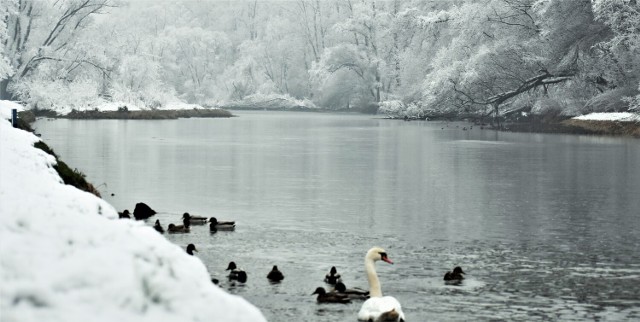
(458, 270)
(378, 254)
(232, 266)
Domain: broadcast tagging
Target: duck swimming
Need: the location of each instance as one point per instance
(194, 220)
(184, 228)
(216, 225)
(275, 275)
(330, 297)
(236, 273)
(332, 277)
(191, 248)
(125, 214)
(454, 277)
(352, 293)
(158, 227)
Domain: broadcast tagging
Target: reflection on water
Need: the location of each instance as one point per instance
(545, 226)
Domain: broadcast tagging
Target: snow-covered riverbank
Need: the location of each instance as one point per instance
(65, 257)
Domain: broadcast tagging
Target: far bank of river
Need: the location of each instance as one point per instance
(532, 125)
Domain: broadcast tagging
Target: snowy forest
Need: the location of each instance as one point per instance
(403, 57)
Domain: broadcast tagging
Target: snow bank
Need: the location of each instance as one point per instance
(64, 257)
(6, 107)
(619, 117)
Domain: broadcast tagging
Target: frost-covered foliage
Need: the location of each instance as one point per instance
(621, 53)
(6, 7)
(137, 82)
(58, 95)
(268, 101)
(448, 57)
(66, 256)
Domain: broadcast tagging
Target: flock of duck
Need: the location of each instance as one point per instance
(188, 220)
(375, 307)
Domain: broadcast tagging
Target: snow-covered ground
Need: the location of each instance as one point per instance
(619, 117)
(65, 257)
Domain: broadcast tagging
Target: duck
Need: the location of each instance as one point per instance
(125, 214)
(191, 248)
(184, 228)
(236, 273)
(275, 275)
(330, 297)
(216, 225)
(352, 293)
(378, 307)
(332, 277)
(158, 227)
(455, 276)
(194, 220)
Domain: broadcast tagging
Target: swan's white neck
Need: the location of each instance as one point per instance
(372, 276)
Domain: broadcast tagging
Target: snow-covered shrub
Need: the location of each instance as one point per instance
(616, 100)
(58, 95)
(392, 108)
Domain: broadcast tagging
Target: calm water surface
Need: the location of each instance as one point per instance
(546, 226)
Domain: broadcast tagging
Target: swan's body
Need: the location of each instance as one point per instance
(378, 308)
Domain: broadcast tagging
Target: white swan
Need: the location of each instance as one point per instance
(378, 308)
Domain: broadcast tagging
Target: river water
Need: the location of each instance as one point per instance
(547, 227)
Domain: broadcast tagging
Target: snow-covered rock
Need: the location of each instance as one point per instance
(65, 257)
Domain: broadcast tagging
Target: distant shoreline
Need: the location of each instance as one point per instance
(146, 114)
(533, 125)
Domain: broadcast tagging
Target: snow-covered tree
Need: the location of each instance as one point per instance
(47, 32)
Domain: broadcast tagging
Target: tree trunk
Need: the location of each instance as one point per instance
(496, 114)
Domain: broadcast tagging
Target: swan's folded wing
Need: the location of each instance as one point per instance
(376, 306)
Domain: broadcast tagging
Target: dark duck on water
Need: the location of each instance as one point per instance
(236, 273)
(275, 275)
(191, 248)
(330, 297)
(332, 277)
(454, 277)
(158, 227)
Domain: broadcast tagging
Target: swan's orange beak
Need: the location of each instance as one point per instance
(386, 259)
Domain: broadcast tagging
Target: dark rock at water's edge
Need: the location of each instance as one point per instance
(142, 211)
(125, 114)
